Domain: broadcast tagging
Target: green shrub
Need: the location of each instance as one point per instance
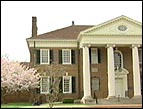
(69, 100)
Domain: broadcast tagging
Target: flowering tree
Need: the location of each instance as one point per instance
(55, 72)
(16, 77)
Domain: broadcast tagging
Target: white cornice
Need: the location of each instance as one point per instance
(49, 40)
(52, 43)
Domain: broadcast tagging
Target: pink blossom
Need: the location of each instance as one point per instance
(16, 77)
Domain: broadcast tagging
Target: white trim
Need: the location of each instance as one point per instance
(52, 43)
(70, 84)
(41, 56)
(52, 40)
(118, 40)
(47, 83)
(63, 55)
(111, 21)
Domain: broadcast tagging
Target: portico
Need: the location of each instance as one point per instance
(112, 38)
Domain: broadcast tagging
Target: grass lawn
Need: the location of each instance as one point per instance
(15, 105)
(29, 105)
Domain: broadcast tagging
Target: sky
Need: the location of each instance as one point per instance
(16, 19)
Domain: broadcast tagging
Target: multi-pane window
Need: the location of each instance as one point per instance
(66, 56)
(117, 60)
(67, 84)
(44, 56)
(94, 56)
(45, 85)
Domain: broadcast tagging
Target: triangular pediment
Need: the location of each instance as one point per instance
(119, 26)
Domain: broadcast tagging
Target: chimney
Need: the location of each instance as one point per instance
(34, 26)
(72, 23)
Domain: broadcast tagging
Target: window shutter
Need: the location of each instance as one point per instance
(60, 56)
(90, 55)
(37, 56)
(51, 56)
(73, 85)
(37, 90)
(73, 55)
(99, 56)
(61, 85)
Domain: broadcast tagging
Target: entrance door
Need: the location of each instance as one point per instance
(119, 87)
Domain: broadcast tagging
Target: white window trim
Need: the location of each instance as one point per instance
(63, 55)
(41, 84)
(96, 50)
(70, 84)
(121, 57)
(41, 56)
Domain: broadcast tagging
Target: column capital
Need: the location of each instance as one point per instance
(86, 45)
(135, 45)
(110, 45)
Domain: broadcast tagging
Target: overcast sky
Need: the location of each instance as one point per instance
(16, 19)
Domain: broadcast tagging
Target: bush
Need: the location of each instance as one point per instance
(69, 100)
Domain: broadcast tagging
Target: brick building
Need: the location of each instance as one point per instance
(105, 59)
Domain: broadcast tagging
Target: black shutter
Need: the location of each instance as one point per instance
(38, 90)
(73, 85)
(90, 55)
(73, 55)
(99, 56)
(60, 56)
(61, 85)
(37, 56)
(51, 56)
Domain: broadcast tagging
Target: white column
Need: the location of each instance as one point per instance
(86, 75)
(111, 73)
(136, 71)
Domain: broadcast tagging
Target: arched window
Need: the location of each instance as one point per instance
(118, 60)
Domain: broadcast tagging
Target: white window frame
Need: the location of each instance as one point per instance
(41, 56)
(48, 85)
(94, 59)
(121, 58)
(63, 61)
(70, 84)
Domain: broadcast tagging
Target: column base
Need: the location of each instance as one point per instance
(87, 99)
(111, 97)
(137, 97)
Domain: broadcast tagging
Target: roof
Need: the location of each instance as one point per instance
(70, 32)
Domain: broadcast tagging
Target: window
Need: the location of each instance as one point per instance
(118, 60)
(44, 56)
(66, 56)
(67, 84)
(94, 56)
(95, 84)
(140, 55)
(140, 62)
(45, 85)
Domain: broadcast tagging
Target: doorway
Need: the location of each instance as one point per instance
(119, 87)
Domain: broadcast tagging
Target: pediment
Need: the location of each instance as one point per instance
(119, 26)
